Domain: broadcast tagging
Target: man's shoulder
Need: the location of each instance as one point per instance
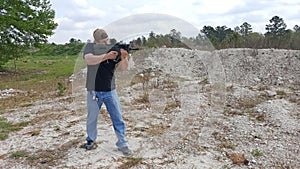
(89, 45)
(100, 48)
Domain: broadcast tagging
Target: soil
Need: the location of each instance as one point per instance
(232, 108)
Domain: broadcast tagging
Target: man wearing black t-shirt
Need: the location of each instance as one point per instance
(101, 88)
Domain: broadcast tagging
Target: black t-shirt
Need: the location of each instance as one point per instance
(100, 77)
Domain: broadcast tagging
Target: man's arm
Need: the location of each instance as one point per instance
(92, 59)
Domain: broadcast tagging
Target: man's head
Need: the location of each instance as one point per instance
(100, 36)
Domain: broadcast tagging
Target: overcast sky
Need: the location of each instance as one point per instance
(122, 19)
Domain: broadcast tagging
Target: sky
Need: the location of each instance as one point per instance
(128, 19)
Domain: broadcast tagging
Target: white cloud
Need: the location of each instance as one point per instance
(92, 12)
(65, 23)
(80, 3)
(82, 16)
(158, 23)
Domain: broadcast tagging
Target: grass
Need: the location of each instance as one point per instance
(130, 162)
(143, 98)
(19, 154)
(37, 76)
(280, 93)
(39, 69)
(204, 81)
(7, 127)
(256, 153)
(170, 84)
(170, 106)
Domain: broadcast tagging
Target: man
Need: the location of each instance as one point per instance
(100, 85)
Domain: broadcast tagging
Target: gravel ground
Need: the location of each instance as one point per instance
(233, 108)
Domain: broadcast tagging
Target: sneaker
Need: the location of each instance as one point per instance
(89, 145)
(125, 150)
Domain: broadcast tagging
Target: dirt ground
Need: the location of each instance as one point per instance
(234, 108)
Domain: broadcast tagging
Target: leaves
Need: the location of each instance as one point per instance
(24, 23)
(276, 26)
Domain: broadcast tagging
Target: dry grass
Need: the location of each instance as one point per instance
(130, 162)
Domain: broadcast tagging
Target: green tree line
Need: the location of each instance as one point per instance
(277, 36)
(74, 47)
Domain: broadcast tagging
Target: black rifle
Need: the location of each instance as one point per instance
(118, 46)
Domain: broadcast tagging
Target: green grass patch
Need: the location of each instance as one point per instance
(19, 154)
(257, 153)
(7, 127)
(37, 76)
(38, 70)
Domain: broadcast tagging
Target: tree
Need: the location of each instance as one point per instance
(245, 29)
(175, 37)
(211, 34)
(276, 26)
(223, 32)
(24, 23)
(208, 31)
(295, 39)
(297, 28)
(138, 42)
(254, 40)
(175, 34)
(152, 40)
(276, 32)
(218, 35)
(73, 40)
(232, 40)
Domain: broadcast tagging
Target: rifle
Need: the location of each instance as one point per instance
(118, 46)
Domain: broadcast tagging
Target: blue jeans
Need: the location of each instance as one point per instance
(92, 116)
(112, 103)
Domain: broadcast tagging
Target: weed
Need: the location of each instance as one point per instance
(204, 81)
(257, 153)
(19, 154)
(225, 166)
(280, 93)
(227, 144)
(56, 128)
(143, 98)
(263, 87)
(61, 89)
(249, 103)
(143, 77)
(130, 162)
(229, 88)
(259, 136)
(170, 84)
(233, 112)
(261, 118)
(7, 127)
(171, 106)
(156, 130)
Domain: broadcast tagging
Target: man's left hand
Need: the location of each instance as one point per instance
(124, 54)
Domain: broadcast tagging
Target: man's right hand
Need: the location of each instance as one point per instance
(111, 55)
